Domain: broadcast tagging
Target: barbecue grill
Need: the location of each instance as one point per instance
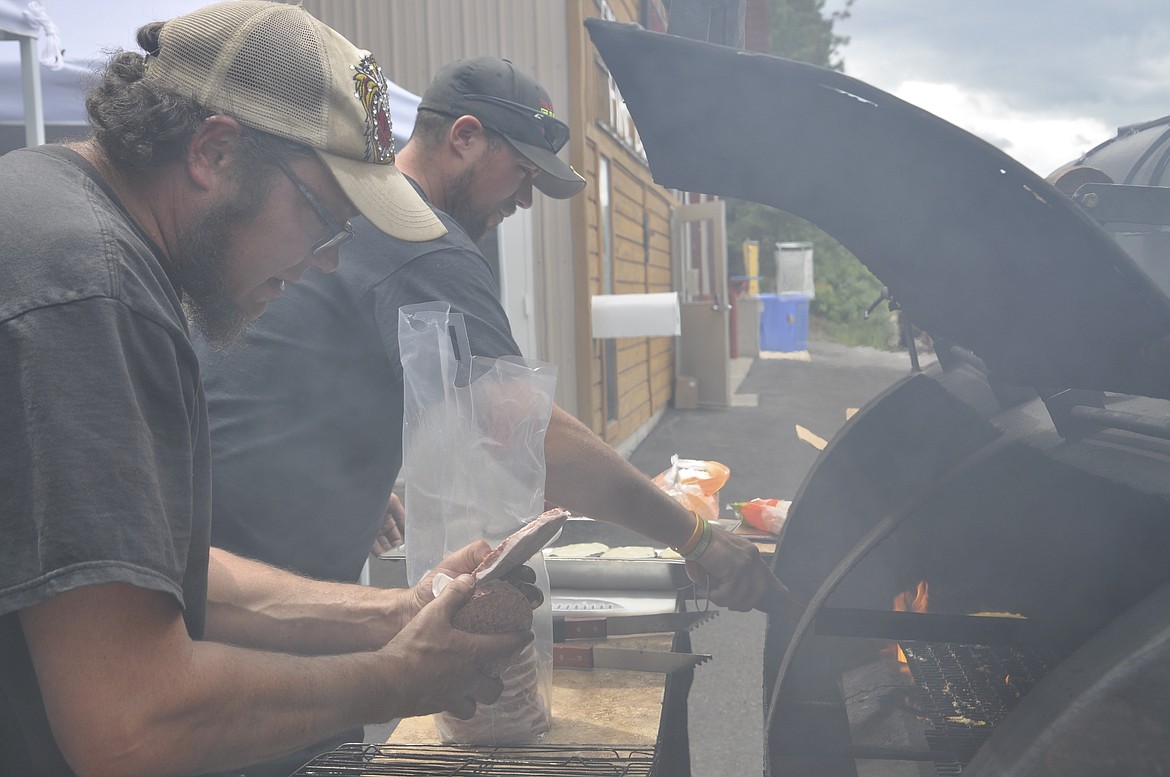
(983, 547)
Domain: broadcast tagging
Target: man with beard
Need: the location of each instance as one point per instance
(223, 164)
(307, 419)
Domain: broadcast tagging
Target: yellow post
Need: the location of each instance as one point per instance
(751, 265)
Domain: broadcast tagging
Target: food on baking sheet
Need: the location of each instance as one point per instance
(631, 551)
(577, 550)
(582, 550)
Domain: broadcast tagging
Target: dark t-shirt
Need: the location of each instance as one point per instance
(306, 417)
(104, 455)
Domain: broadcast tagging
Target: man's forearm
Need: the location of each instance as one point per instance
(259, 606)
(587, 476)
(127, 692)
(272, 714)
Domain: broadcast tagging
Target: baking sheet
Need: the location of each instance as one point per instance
(656, 574)
(611, 574)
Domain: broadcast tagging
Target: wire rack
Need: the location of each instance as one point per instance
(967, 690)
(439, 760)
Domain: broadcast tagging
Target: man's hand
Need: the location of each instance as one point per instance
(440, 668)
(734, 575)
(393, 530)
(461, 562)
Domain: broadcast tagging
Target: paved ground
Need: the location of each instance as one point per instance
(759, 444)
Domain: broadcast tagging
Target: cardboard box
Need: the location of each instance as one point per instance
(686, 392)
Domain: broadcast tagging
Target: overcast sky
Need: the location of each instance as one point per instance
(1044, 80)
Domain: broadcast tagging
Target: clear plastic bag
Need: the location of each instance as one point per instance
(473, 460)
(694, 484)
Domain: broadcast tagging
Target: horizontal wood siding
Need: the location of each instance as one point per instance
(641, 246)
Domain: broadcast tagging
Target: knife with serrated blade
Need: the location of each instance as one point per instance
(597, 657)
(574, 627)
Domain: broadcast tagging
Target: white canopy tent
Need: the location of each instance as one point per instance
(47, 88)
(26, 71)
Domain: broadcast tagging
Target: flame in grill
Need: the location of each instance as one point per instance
(912, 600)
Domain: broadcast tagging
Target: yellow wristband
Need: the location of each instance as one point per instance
(696, 536)
(701, 546)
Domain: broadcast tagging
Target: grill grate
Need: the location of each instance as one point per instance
(967, 690)
(438, 760)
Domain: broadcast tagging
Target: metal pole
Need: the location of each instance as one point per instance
(34, 109)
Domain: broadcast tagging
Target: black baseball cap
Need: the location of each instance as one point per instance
(513, 104)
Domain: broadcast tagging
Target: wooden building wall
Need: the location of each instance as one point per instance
(641, 250)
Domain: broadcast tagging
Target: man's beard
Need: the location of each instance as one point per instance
(201, 263)
(458, 205)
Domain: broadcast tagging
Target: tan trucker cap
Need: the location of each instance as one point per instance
(276, 68)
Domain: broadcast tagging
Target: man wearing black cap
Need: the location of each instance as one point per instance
(512, 107)
(307, 419)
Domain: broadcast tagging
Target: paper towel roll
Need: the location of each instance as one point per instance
(635, 315)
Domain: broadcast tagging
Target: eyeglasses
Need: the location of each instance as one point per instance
(338, 233)
(551, 130)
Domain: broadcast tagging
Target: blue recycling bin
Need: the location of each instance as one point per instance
(784, 322)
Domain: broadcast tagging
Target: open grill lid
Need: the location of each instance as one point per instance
(977, 248)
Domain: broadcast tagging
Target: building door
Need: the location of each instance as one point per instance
(700, 261)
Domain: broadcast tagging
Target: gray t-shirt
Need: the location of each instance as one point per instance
(104, 450)
(306, 418)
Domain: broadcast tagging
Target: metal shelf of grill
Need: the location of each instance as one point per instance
(365, 760)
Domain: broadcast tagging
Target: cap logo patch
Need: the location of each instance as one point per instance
(547, 109)
(371, 91)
